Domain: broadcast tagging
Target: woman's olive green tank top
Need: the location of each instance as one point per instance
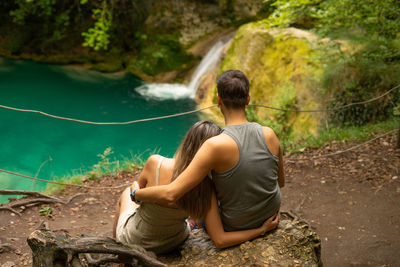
(157, 228)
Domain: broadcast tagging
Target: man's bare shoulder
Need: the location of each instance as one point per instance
(269, 133)
(272, 140)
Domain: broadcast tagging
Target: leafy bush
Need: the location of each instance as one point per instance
(359, 76)
(104, 166)
(98, 36)
(160, 53)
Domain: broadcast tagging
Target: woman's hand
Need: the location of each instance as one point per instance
(271, 223)
(134, 186)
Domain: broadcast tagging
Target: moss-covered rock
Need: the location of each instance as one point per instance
(283, 70)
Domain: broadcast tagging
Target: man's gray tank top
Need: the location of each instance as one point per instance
(248, 193)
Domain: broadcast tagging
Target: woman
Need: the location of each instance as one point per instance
(161, 229)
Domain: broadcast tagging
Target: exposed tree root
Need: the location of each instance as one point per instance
(38, 199)
(49, 248)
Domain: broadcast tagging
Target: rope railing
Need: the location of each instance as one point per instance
(182, 114)
(192, 111)
(60, 183)
(331, 109)
(353, 147)
(119, 186)
(106, 123)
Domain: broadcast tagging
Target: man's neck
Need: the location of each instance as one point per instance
(235, 117)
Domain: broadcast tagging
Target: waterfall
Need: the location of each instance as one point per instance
(177, 91)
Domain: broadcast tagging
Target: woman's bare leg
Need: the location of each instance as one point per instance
(124, 203)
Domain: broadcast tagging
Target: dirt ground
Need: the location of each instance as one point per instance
(352, 201)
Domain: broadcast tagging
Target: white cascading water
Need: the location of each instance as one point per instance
(162, 91)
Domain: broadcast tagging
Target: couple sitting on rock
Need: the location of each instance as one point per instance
(228, 179)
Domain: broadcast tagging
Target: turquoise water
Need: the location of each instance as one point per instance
(63, 147)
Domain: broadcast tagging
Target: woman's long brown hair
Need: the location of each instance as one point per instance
(197, 201)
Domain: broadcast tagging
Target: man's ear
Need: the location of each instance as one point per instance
(219, 100)
(248, 100)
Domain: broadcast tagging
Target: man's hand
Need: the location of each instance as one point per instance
(272, 222)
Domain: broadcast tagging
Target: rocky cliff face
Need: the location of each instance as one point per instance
(194, 20)
(284, 72)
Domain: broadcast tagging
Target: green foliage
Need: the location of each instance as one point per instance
(378, 20)
(372, 17)
(42, 19)
(39, 8)
(356, 76)
(15, 41)
(54, 17)
(342, 134)
(288, 12)
(396, 110)
(61, 24)
(105, 165)
(98, 36)
(160, 53)
(46, 211)
(363, 66)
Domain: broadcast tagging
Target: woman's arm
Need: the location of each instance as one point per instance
(222, 239)
(200, 166)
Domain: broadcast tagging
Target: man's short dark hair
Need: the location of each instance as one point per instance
(233, 89)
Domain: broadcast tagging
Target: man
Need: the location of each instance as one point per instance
(245, 161)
